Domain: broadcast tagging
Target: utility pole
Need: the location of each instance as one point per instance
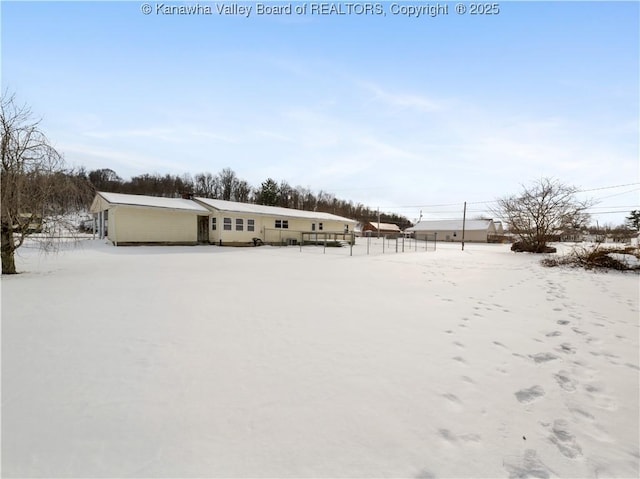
(464, 219)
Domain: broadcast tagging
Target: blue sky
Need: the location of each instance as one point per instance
(390, 111)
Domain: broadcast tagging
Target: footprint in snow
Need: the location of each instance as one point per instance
(530, 394)
(564, 440)
(566, 348)
(543, 357)
(453, 401)
(564, 381)
(529, 465)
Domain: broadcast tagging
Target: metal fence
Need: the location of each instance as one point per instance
(367, 245)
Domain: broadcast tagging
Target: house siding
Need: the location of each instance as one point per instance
(474, 236)
(265, 228)
(152, 225)
(131, 219)
(455, 235)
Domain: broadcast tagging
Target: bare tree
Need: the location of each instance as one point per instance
(105, 179)
(544, 208)
(242, 191)
(228, 179)
(284, 194)
(38, 193)
(207, 185)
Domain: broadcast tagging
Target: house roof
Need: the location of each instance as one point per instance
(235, 207)
(451, 225)
(204, 205)
(385, 226)
(152, 202)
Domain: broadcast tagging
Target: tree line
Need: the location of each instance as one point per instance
(226, 185)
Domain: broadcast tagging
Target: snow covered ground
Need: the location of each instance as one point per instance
(271, 362)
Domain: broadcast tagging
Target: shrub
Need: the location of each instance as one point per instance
(524, 246)
(597, 257)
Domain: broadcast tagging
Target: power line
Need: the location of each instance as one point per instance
(607, 187)
(619, 194)
(609, 212)
(614, 206)
(460, 204)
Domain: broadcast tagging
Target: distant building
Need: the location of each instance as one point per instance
(373, 228)
(479, 231)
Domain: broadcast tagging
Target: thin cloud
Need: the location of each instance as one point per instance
(402, 100)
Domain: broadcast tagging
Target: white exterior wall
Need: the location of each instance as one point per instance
(265, 228)
(152, 225)
(474, 236)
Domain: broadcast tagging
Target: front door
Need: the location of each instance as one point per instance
(203, 229)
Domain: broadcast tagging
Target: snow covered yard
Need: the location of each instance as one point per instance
(271, 362)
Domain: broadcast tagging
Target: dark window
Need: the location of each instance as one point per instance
(239, 224)
(251, 225)
(285, 224)
(320, 226)
(278, 223)
(227, 224)
(213, 224)
(313, 226)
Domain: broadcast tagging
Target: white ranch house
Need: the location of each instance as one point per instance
(138, 219)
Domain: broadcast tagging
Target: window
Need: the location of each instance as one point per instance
(213, 224)
(251, 225)
(227, 224)
(284, 224)
(346, 228)
(239, 224)
(313, 226)
(320, 226)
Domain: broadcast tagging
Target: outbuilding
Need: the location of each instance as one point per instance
(373, 228)
(479, 231)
